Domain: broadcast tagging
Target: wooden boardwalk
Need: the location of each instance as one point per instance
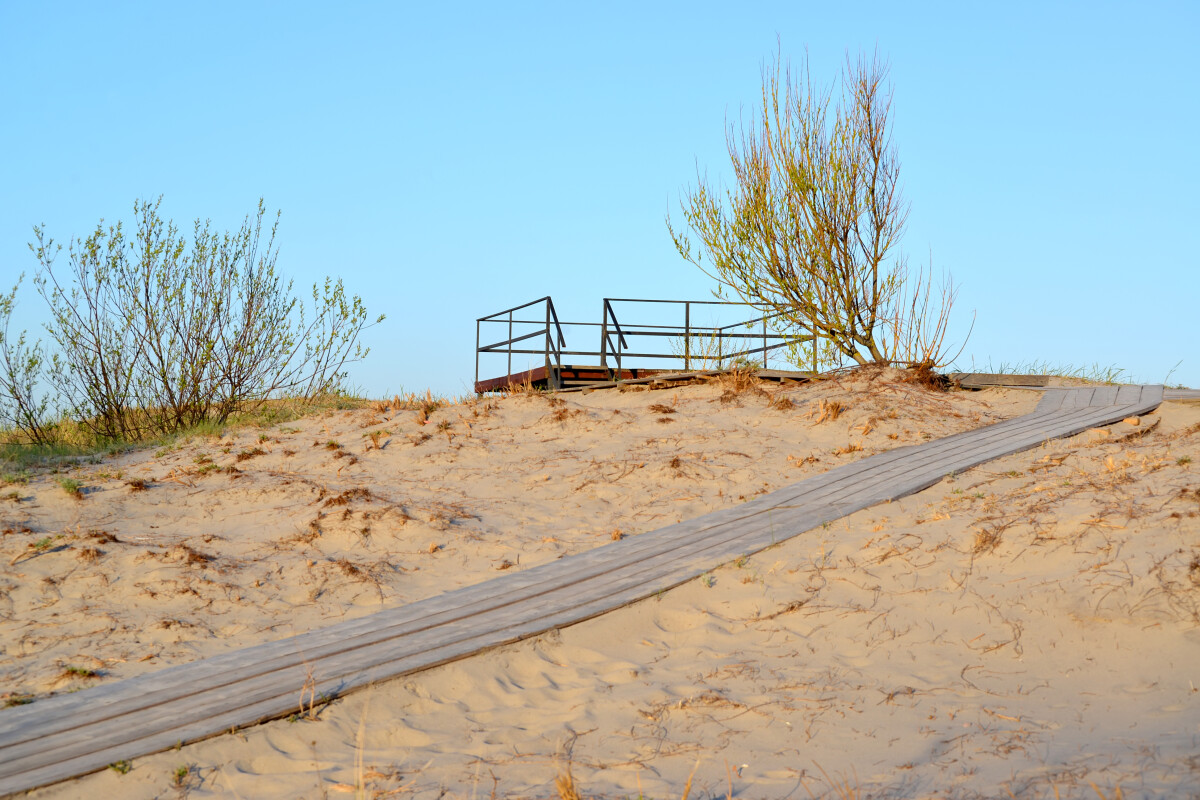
(68, 735)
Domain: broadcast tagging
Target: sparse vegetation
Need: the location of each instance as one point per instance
(154, 335)
(809, 230)
(246, 455)
(1093, 373)
(71, 487)
(80, 672)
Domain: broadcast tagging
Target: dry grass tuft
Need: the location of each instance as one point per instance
(1194, 570)
(348, 496)
(190, 555)
(986, 541)
(138, 484)
(737, 383)
(565, 784)
(827, 411)
(922, 374)
(842, 786)
(246, 455)
(780, 402)
(89, 555)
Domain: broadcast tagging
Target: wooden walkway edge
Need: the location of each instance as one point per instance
(69, 735)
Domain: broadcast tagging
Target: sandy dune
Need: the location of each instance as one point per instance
(1029, 626)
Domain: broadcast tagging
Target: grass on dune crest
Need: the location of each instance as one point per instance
(1093, 373)
(74, 443)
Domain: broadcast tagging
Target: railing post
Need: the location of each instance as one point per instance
(477, 323)
(604, 338)
(720, 350)
(508, 374)
(620, 345)
(550, 377)
(687, 336)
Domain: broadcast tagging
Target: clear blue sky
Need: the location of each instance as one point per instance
(449, 160)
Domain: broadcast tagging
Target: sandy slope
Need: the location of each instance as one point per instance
(1029, 626)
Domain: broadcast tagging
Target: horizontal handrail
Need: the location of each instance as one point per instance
(555, 345)
(514, 308)
(490, 348)
(680, 302)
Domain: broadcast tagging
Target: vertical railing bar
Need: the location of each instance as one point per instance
(764, 321)
(687, 336)
(549, 343)
(508, 375)
(477, 324)
(604, 338)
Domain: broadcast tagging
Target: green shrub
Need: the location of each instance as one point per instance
(158, 333)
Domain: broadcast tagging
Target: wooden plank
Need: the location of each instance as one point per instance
(51, 740)
(783, 374)
(1051, 401)
(982, 380)
(1078, 398)
(1105, 396)
(534, 376)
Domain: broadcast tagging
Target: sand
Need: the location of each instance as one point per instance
(1030, 626)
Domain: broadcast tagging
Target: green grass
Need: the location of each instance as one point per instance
(81, 672)
(1096, 373)
(75, 444)
(71, 487)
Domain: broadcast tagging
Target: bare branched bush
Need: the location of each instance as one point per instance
(22, 407)
(810, 227)
(157, 333)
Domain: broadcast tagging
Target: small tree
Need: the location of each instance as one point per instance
(157, 334)
(811, 225)
(21, 407)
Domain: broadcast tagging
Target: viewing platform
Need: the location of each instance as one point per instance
(668, 343)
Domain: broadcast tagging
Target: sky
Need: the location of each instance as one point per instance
(452, 160)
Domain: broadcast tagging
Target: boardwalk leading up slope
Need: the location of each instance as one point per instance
(69, 735)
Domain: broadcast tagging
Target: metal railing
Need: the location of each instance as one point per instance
(554, 339)
(718, 344)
